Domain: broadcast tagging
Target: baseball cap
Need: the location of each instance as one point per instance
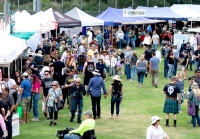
(88, 112)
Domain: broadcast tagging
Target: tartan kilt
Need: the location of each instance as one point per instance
(171, 106)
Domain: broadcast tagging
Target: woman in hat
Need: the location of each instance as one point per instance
(116, 90)
(185, 63)
(155, 131)
(194, 97)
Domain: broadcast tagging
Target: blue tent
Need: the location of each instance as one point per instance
(113, 16)
(162, 13)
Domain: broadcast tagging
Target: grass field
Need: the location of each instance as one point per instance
(137, 107)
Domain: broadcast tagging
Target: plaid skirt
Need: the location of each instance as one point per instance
(171, 106)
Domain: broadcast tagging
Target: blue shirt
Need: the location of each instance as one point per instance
(95, 84)
(106, 34)
(26, 85)
(154, 62)
(99, 38)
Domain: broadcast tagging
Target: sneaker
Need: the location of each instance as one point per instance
(76, 113)
(156, 86)
(54, 123)
(70, 114)
(131, 80)
(167, 125)
(71, 120)
(79, 121)
(51, 123)
(174, 125)
(48, 119)
(35, 119)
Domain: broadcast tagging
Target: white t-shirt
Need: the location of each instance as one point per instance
(155, 39)
(9, 84)
(155, 133)
(90, 36)
(120, 35)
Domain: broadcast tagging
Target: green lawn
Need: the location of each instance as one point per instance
(138, 106)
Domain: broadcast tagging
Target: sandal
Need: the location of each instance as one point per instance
(111, 118)
(22, 122)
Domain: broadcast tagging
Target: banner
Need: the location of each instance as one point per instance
(134, 13)
(15, 124)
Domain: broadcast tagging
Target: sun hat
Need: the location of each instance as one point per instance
(195, 85)
(25, 74)
(117, 78)
(74, 35)
(96, 72)
(63, 41)
(88, 112)
(154, 119)
(191, 78)
(96, 39)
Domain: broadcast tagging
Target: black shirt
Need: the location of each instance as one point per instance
(185, 60)
(171, 90)
(46, 48)
(33, 63)
(4, 105)
(58, 65)
(39, 49)
(189, 49)
(148, 54)
(196, 53)
(68, 81)
(170, 60)
(46, 84)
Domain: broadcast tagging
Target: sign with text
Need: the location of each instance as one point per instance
(134, 13)
(15, 125)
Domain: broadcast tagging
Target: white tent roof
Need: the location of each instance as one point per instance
(187, 12)
(24, 22)
(11, 47)
(86, 19)
(37, 14)
(194, 30)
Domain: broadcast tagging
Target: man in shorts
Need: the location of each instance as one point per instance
(25, 92)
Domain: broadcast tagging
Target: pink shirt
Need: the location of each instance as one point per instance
(2, 123)
(36, 85)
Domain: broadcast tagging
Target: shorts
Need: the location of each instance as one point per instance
(26, 103)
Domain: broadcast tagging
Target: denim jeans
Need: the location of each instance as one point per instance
(141, 76)
(196, 116)
(165, 68)
(170, 71)
(75, 103)
(72, 136)
(131, 40)
(175, 66)
(36, 98)
(117, 101)
(120, 43)
(50, 109)
(133, 73)
(196, 65)
(155, 46)
(128, 72)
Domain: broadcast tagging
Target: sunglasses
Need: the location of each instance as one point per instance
(54, 85)
(46, 74)
(77, 82)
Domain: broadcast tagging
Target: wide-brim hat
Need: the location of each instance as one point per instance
(25, 74)
(96, 72)
(154, 119)
(195, 85)
(117, 78)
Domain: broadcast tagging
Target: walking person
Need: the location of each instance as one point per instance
(53, 94)
(96, 83)
(141, 67)
(25, 92)
(58, 66)
(155, 39)
(176, 57)
(116, 90)
(46, 85)
(36, 83)
(120, 37)
(127, 63)
(170, 59)
(194, 97)
(131, 38)
(173, 99)
(185, 64)
(196, 56)
(154, 69)
(78, 90)
(180, 83)
(134, 59)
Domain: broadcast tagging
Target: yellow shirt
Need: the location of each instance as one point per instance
(85, 126)
(91, 52)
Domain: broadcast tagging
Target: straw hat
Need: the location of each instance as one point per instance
(117, 78)
(96, 72)
(195, 85)
(154, 119)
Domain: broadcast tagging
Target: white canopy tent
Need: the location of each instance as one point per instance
(187, 13)
(11, 48)
(194, 30)
(86, 19)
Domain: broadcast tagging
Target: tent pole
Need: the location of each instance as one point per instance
(112, 35)
(9, 70)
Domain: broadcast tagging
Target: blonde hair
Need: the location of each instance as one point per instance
(196, 92)
(177, 75)
(142, 57)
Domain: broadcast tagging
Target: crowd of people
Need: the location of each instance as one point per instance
(55, 76)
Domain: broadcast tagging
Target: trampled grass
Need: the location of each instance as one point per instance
(137, 107)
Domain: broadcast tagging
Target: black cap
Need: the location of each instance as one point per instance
(95, 52)
(191, 78)
(188, 42)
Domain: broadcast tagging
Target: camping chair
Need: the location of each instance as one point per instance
(89, 134)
